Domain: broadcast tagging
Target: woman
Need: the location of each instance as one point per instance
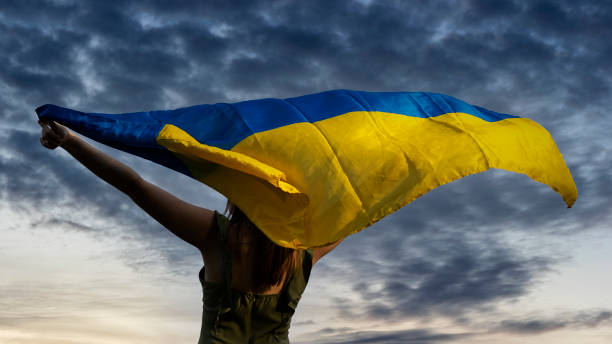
(251, 286)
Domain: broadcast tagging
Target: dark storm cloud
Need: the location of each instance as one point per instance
(208, 49)
(27, 76)
(49, 181)
(439, 272)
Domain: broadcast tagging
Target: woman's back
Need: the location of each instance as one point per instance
(243, 263)
(235, 313)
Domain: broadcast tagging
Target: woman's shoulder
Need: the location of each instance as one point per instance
(320, 252)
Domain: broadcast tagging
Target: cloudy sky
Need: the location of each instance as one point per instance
(491, 258)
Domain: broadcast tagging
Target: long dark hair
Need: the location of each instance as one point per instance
(271, 262)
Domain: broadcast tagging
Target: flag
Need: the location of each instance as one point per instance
(313, 169)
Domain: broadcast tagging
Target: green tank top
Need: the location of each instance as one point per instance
(233, 316)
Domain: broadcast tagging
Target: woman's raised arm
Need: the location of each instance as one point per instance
(187, 221)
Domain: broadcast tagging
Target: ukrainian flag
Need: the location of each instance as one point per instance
(314, 169)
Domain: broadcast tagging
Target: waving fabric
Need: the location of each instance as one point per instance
(314, 169)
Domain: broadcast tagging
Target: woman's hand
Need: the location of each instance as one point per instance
(53, 134)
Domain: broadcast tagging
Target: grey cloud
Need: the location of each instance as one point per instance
(64, 223)
(282, 51)
(37, 175)
(418, 336)
(444, 274)
(37, 12)
(488, 10)
(579, 320)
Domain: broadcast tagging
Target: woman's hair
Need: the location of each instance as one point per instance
(271, 261)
